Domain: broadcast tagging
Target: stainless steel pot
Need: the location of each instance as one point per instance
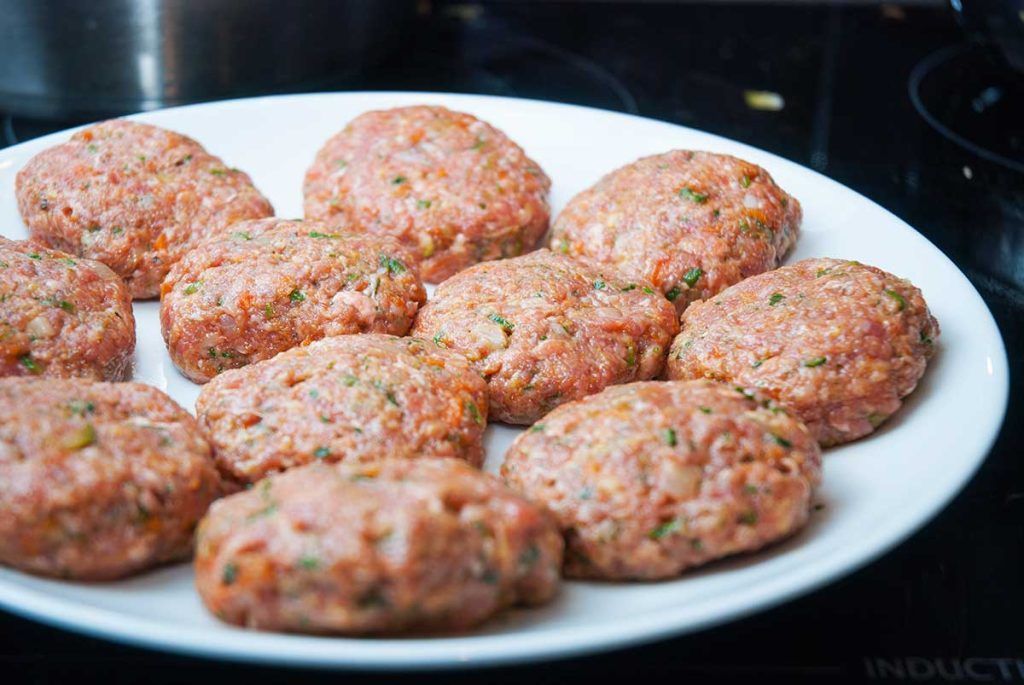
(69, 58)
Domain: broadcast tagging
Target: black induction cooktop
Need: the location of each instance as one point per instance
(868, 95)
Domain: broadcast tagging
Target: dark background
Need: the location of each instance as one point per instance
(954, 591)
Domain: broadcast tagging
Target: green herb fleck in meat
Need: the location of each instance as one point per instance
(779, 440)
(230, 573)
(389, 395)
(745, 181)
(30, 364)
(666, 528)
(599, 284)
(423, 204)
(502, 321)
(392, 265)
(815, 361)
(191, 288)
(474, 413)
(60, 304)
(81, 408)
(776, 298)
(322, 452)
(748, 518)
(704, 410)
(899, 299)
(309, 563)
(670, 437)
(688, 193)
(297, 296)
(692, 276)
(673, 293)
(398, 180)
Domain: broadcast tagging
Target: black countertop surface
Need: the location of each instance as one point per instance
(944, 606)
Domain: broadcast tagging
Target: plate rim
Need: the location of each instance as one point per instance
(471, 651)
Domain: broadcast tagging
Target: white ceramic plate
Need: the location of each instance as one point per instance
(876, 492)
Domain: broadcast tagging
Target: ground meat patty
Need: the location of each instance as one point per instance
(838, 342)
(452, 188)
(62, 316)
(272, 284)
(133, 196)
(386, 547)
(544, 329)
(353, 397)
(98, 480)
(691, 223)
(649, 479)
